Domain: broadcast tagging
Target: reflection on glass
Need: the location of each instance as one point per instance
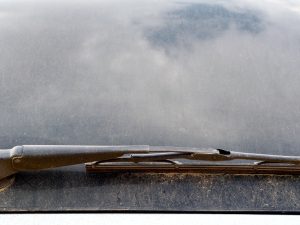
(201, 21)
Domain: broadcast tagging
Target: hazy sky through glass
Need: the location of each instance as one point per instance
(198, 73)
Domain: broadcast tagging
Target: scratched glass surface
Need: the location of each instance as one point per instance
(221, 74)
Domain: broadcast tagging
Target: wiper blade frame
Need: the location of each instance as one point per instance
(38, 157)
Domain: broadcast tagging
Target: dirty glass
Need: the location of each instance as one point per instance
(220, 74)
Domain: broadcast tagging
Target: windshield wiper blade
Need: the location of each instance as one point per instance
(168, 166)
(134, 157)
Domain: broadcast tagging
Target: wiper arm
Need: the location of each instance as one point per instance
(38, 157)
